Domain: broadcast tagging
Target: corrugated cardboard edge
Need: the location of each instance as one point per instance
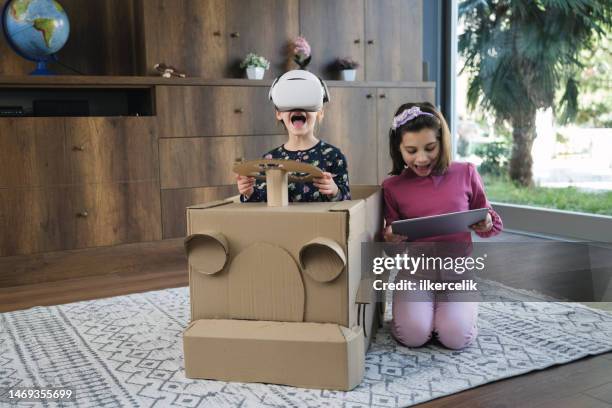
(355, 346)
(355, 229)
(366, 230)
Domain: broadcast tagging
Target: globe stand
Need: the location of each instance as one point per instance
(37, 51)
(41, 69)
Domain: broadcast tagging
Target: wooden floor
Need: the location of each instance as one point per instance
(586, 383)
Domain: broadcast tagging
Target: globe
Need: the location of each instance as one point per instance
(35, 29)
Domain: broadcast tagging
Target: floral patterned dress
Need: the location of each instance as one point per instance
(324, 156)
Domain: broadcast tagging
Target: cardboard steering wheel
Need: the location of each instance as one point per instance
(254, 168)
(278, 174)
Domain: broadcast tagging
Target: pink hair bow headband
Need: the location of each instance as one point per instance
(407, 115)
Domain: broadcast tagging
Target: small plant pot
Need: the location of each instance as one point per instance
(348, 74)
(255, 72)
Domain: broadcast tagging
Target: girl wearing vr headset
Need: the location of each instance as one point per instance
(298, 97)
(426, 182)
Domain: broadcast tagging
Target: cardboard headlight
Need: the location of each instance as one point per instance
(298, 90)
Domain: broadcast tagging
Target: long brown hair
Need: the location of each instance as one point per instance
(437, 124)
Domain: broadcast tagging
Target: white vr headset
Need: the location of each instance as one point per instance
(298, 90)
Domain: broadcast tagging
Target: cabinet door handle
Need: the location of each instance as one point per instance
(369, 96)
(217, 33)
(370, 41)
(382, 96)
(357, 41)
(83, 214)
(238, 110)
(78, 148)
(235, 34)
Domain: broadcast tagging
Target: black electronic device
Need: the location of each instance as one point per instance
(67, 107)
(12, 111)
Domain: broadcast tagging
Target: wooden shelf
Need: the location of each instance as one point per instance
(144, 81)
(86, 100)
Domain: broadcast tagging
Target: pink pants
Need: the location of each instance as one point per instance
(417, 317)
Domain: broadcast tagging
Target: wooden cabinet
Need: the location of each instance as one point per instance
(394, 40)
(105, 150)
(389, 99)
(188, 34)
(102, 38)
(334, 30)
(207, 161)
(384, 36)
(209, 39)
(77, 182)
(44, 219)
(264, 27)
(350, 124)
(191, 111)
(114, 213)
(33, 152)
(174, 202)
(35, 219)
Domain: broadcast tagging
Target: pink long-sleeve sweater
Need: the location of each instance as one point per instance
(459, 189)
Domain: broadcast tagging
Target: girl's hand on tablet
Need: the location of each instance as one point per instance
(484, 225)
(389, 236)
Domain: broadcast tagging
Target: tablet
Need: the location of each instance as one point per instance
(435, 225)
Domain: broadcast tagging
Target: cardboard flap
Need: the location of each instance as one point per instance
(189, 326)
(364, 191)
(265, 284)
(349, 206)
(364, 293)
(212, 204)
(350, 334)
(322, 259)
(207, 252)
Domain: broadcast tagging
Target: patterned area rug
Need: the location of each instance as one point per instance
(127, 351)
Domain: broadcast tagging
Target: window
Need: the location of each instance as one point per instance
(534, 101)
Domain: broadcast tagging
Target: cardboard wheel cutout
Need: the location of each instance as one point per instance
(322, 259)
(278, 175)
(207, 251)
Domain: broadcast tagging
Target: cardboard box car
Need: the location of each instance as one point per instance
(300, 263)
(296, 264)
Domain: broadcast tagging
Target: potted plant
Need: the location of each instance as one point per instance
(348, 68)
(255, 65)
(301, 52)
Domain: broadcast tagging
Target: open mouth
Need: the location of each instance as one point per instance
(422, 169)
(298, 119)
